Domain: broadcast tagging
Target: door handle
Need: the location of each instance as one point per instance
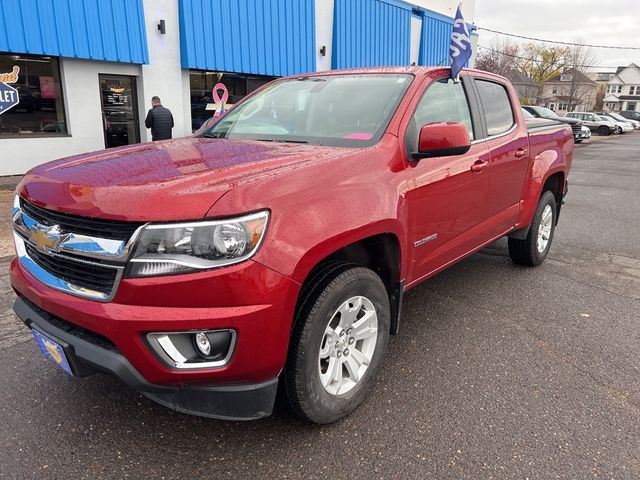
(479, 166)
(521, 152)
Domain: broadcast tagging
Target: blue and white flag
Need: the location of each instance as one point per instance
(460, 46)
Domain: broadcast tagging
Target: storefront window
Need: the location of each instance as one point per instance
(40, 109)
(202, 83)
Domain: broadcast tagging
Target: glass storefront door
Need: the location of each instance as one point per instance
(119, 110)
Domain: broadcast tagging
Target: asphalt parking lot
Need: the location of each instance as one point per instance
(498, 372)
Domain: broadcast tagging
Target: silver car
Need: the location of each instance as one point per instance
(595, 123)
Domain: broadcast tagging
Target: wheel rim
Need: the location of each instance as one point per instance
(348, 345)
(544, 231)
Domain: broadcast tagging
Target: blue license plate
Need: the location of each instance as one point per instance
(51, 350)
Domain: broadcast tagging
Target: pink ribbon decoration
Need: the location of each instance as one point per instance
(220, 102)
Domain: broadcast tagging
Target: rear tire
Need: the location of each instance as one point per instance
(329, 334)
(534, 249)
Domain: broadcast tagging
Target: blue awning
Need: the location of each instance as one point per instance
(111, 30)
(264, 37)
(370, 33)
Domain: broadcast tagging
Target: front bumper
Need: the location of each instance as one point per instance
(253, 300)
(89, 353)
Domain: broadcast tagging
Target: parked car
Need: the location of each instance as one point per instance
(543, 112)
(594, 122)
(621, 127)
(586, 132)
(619, 118)
(202, 271)
(631, 114)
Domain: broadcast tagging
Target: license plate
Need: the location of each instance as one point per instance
(51, 350)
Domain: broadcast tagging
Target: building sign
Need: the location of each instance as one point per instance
(117, 96)
(9, 97)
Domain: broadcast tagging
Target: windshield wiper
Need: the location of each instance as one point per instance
(214, 135)
(280, 140)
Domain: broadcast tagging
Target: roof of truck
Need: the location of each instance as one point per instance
(413, 70)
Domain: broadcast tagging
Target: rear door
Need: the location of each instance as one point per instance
(590, 121)
(508, 141)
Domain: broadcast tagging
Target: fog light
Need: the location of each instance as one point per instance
(203, 344)
(193, 349)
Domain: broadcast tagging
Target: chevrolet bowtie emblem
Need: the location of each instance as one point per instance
(46, 239)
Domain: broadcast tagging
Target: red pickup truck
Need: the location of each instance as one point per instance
(276, 245)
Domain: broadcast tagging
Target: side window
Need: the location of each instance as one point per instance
(497, 107)
(444, 101)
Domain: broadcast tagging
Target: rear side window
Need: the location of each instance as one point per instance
(444, 101)
(497, 107)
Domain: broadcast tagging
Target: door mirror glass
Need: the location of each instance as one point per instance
(442, 139)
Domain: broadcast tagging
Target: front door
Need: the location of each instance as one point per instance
(119, 110)
(446, 200)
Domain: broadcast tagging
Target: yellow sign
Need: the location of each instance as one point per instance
(53, 351)
(11, 77)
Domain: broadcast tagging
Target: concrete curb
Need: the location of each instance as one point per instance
(10, 183)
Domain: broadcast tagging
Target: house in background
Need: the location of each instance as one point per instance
(623, 90)
(602, 80)
(569, 91)
(527, 89)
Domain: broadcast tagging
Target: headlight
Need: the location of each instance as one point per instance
(189, 247)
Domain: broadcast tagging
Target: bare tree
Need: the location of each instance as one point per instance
(499, 57)
(579, 90)
(600, 94)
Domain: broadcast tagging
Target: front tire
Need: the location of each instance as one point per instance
(337, 344)
(604, 130)
(534, 249)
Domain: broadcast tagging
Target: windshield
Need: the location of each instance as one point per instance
(526, 114)
(547, 113)
(620, 118)
(340, 110)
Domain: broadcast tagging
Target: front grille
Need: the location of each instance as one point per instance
(92, 276)
(93, 227)
(576, 128)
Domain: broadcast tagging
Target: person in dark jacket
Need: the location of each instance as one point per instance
(159, 120)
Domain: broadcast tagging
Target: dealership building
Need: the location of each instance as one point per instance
(88, 68)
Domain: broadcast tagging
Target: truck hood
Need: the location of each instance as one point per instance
(162, 181)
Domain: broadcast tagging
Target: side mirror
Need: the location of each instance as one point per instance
(442, 139)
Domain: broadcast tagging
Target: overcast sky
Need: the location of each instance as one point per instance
(599, 22)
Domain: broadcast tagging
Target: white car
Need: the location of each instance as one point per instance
(586, 132)
(623, 127)
(619, 118)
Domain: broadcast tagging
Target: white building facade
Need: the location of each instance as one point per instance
(623, 90)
